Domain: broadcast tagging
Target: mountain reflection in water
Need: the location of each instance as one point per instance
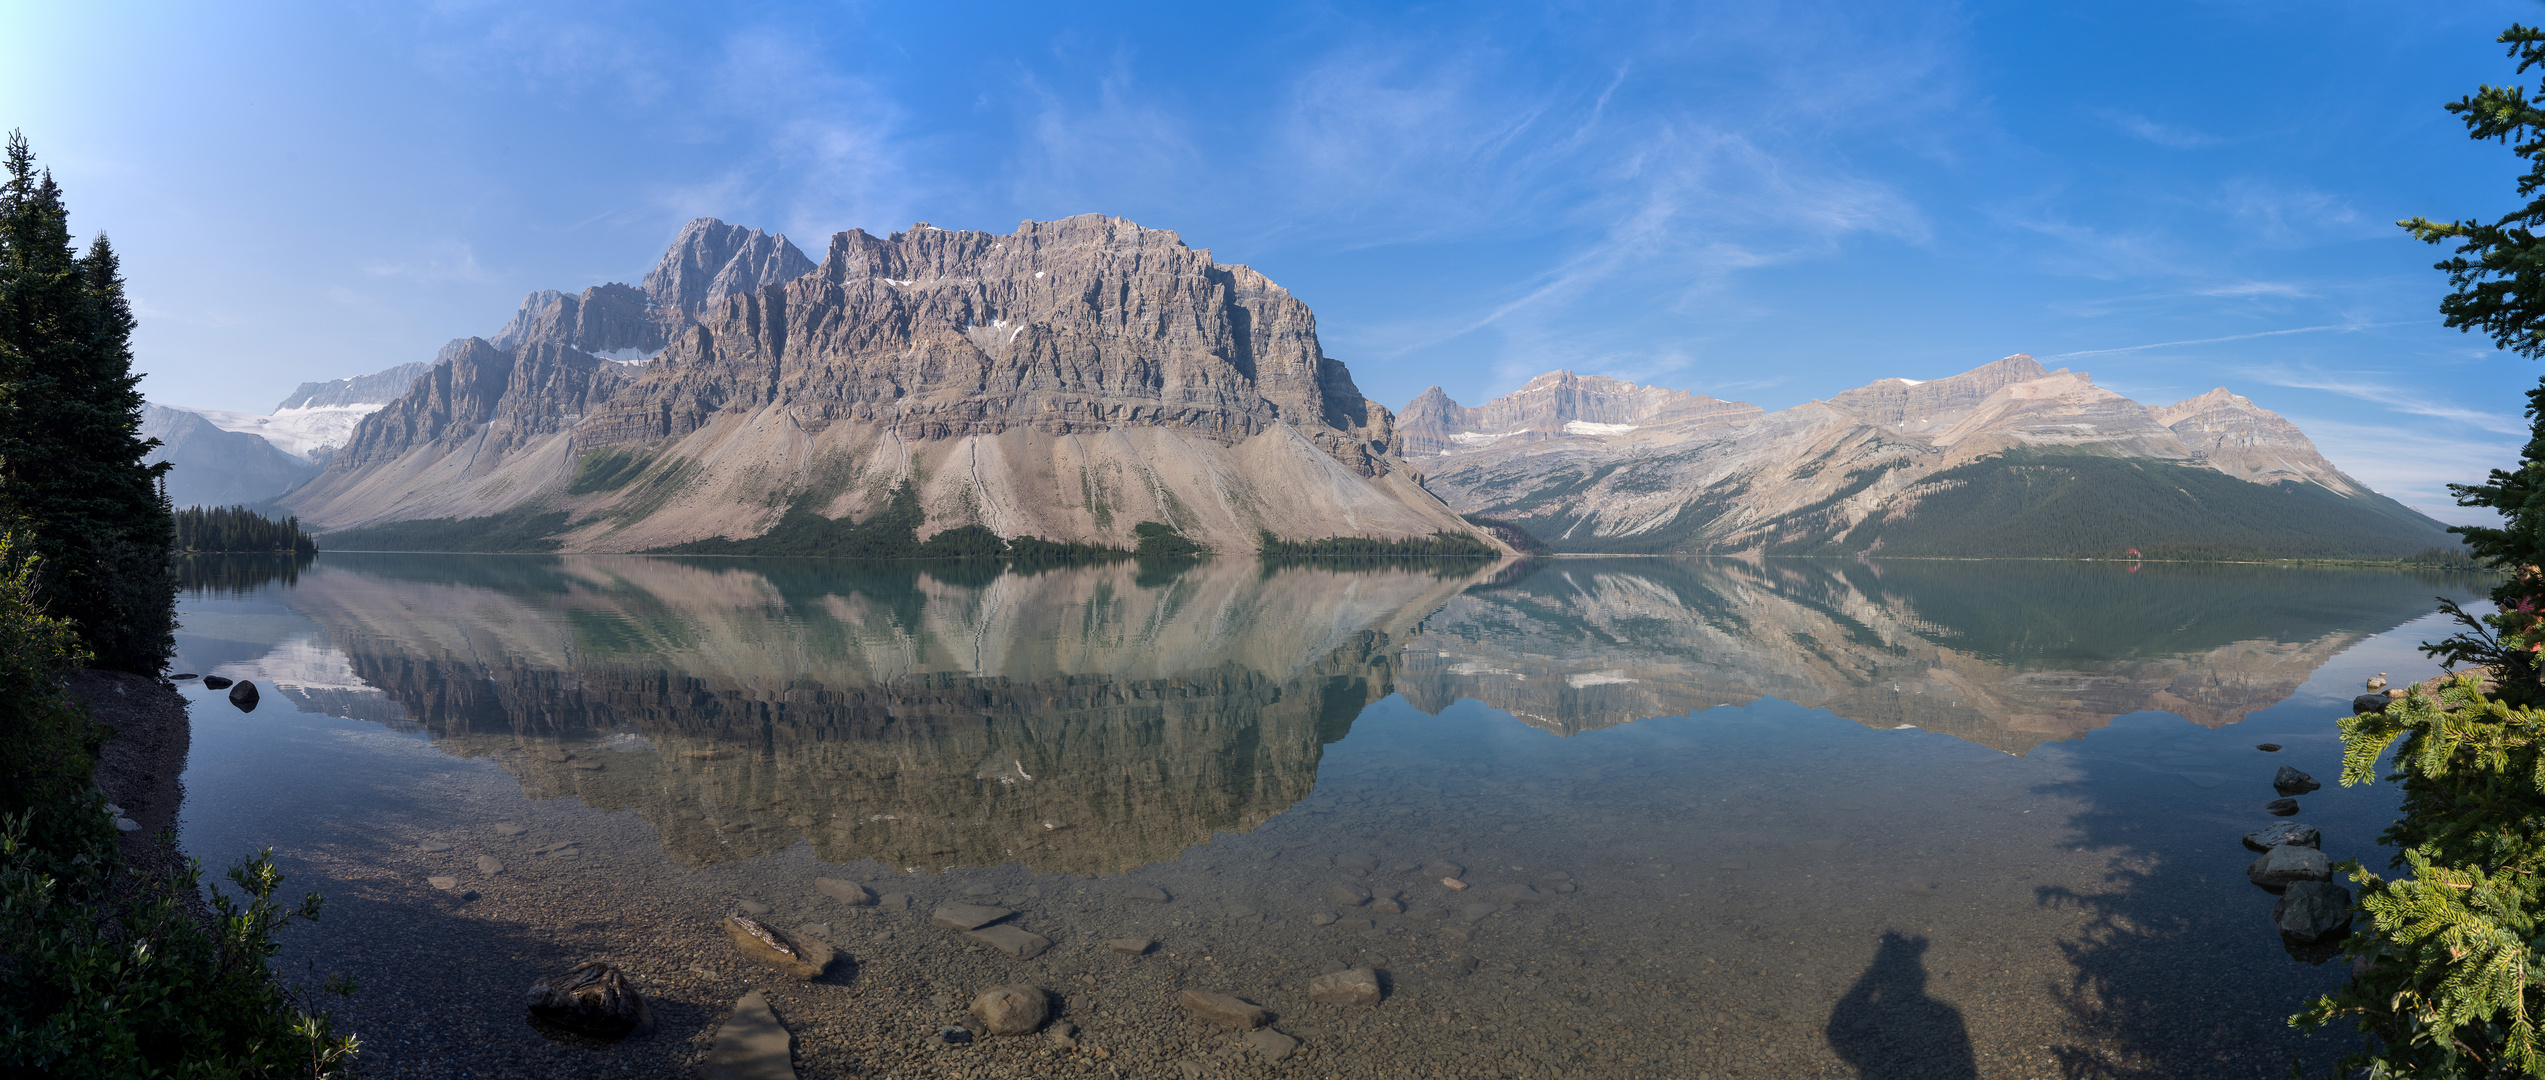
(1093, 720)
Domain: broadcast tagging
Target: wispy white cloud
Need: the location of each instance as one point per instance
(440, 262)
(2412, 464)
(2333, 328)
(2244, 289)
(2169, 136)
(2400, 399)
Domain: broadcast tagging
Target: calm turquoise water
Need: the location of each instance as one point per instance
(1782, 818)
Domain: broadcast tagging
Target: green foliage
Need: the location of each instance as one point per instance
(1511, 532)
(891, 533)
(606, 470)
(48, 744)
(99, 978)
(1439, 545)
(1160, 542)
(71, 468)
(238, 575)
(99, 987)
(524, 528)
(964, 542)
(239, 529)
(2443, 983)
(2445, 989)
(1038, 552)
(2029, 505)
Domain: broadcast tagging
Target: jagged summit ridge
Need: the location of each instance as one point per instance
(2245, 440)
(711, 260)
(1555, 405)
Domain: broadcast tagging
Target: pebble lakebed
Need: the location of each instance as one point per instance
(1713, 919)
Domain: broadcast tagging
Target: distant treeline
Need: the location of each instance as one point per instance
(1439, 545)
(239, 530)
(892, 533)
(238, 575)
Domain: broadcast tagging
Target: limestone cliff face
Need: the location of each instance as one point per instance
(464, 417)
(2245, 440)
(1870, 465)
(1076, 720)
(1068, 380)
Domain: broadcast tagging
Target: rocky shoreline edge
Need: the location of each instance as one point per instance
(141, 768)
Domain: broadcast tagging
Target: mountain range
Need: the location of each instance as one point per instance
(1075, 378)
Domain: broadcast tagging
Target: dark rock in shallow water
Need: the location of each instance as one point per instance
(2287, 865)
(243, 695)
(2280, 807)
(2289, 781)
(2369, 703)
(593, 999)
(2313, 912)
(181, 678)
(2286, 832)
(215, 682)
(2268, 748)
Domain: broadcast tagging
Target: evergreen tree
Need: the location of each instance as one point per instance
(72, 473)
(2446, 970)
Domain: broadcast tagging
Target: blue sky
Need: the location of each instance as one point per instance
(1771, 202)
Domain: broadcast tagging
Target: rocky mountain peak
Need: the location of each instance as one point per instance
(1932, 403)
(711, 260)
(1556, 405)
(2245, 440)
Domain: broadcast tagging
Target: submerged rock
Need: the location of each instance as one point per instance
(2286, 832)
(846, 892)
(1359, 986)
(804, 959)
(2313, 912)
(1222, 1009)
(750, 1045)
(593, 999)
(1272, 1044)
(2280, 807)
(2287, 865)
(2289, 781)
(966, 916)
(1016, 1009)
(1021, 944)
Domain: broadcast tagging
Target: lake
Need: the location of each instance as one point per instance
(1712, 818)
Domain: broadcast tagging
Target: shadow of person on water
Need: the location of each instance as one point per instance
(1889, 1029)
